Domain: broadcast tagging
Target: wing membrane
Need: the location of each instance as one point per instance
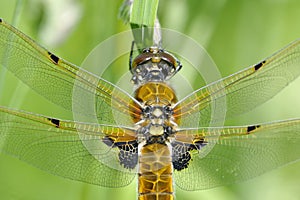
(64, 148)
(239, 153)
(57, 79)
(243, 90)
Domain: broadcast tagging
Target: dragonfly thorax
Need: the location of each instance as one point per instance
(151, 134)
(156, 121)
(157, 115)
(153, 64)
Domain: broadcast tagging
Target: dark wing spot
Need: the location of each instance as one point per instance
(0, 20)
(259, 65)
(108, 141)
(128, 154)
(128, 159)
(181, 155)
(181, 161)
(251, 128)
(54, 58)
(54, 121)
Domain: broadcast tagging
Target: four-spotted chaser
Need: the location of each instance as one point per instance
(152, 135)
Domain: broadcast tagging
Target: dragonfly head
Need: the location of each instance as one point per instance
(154, 64)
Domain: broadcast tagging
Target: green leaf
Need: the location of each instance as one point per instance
(124, 11)
(144, 12)
(142, 21)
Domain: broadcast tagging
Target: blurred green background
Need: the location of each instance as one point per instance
(236, 33)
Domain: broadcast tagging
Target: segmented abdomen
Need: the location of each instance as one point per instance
(155, 173)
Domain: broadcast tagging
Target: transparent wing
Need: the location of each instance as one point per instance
(61, 82)
(64, 148)
(243, 90)
(239, 153)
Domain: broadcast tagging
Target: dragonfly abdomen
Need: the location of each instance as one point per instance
(155, 172)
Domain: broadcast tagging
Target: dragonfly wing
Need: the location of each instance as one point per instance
(62, 82)
(238, 153)
(65, 148)
(242, 91)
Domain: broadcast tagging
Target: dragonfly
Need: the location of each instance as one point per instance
(151, 135)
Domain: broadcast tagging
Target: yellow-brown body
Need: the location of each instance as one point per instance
(155, 168)
(155, 173)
